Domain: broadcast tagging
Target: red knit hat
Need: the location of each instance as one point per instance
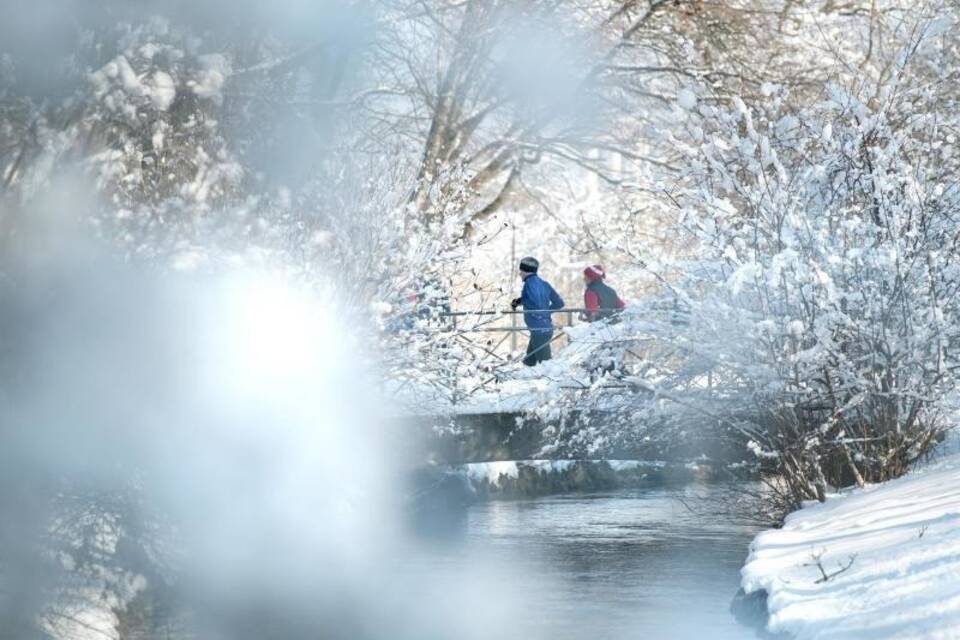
(594, 272)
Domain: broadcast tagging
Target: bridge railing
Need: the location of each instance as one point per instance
(569, 316)
(488, 321)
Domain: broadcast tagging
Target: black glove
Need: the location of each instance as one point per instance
(515, 303)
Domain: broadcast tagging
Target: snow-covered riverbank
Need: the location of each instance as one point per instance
(890, 554)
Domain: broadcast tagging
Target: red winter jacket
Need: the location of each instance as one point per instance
(601, 300)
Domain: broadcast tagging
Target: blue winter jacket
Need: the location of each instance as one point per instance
(538, 298)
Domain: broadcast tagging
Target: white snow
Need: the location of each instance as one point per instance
(210, 81)
(520, 388)
(162, 90)
(904, 540)
(128, 77)
(493, 472)
(550, 466)
(687, 99)
(629, 465)
(157, 139)
(795, 328)
(188, 259)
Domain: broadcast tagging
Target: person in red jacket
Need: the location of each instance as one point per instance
(599, 299)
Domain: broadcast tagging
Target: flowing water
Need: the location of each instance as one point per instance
(629, 564)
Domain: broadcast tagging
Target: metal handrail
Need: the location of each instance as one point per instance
(513, 329)
(510, 312)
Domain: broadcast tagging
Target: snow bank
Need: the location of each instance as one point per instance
(495, 472)
(492, 471)
(498, 474)
(904, 540)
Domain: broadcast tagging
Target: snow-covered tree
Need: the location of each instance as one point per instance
(819, 292)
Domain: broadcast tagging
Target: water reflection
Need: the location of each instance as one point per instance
(630, 564)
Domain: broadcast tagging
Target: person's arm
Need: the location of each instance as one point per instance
(592, 303)
(620, 303)
(525, 300)
(556, 302)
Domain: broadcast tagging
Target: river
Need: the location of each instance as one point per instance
(630, 564)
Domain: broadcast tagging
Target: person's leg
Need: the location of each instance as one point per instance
(538, 349)
(544, 353)
(530, 358)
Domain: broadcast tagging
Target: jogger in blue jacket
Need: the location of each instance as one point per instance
(538, 299)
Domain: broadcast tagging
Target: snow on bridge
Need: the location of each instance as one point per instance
(580, 352)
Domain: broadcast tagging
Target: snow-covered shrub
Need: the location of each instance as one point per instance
(824, 300)
(811, 316)
(152, 120)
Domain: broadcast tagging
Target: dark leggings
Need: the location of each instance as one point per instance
(538, 350)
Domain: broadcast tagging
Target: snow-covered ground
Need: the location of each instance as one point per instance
(901, 542)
